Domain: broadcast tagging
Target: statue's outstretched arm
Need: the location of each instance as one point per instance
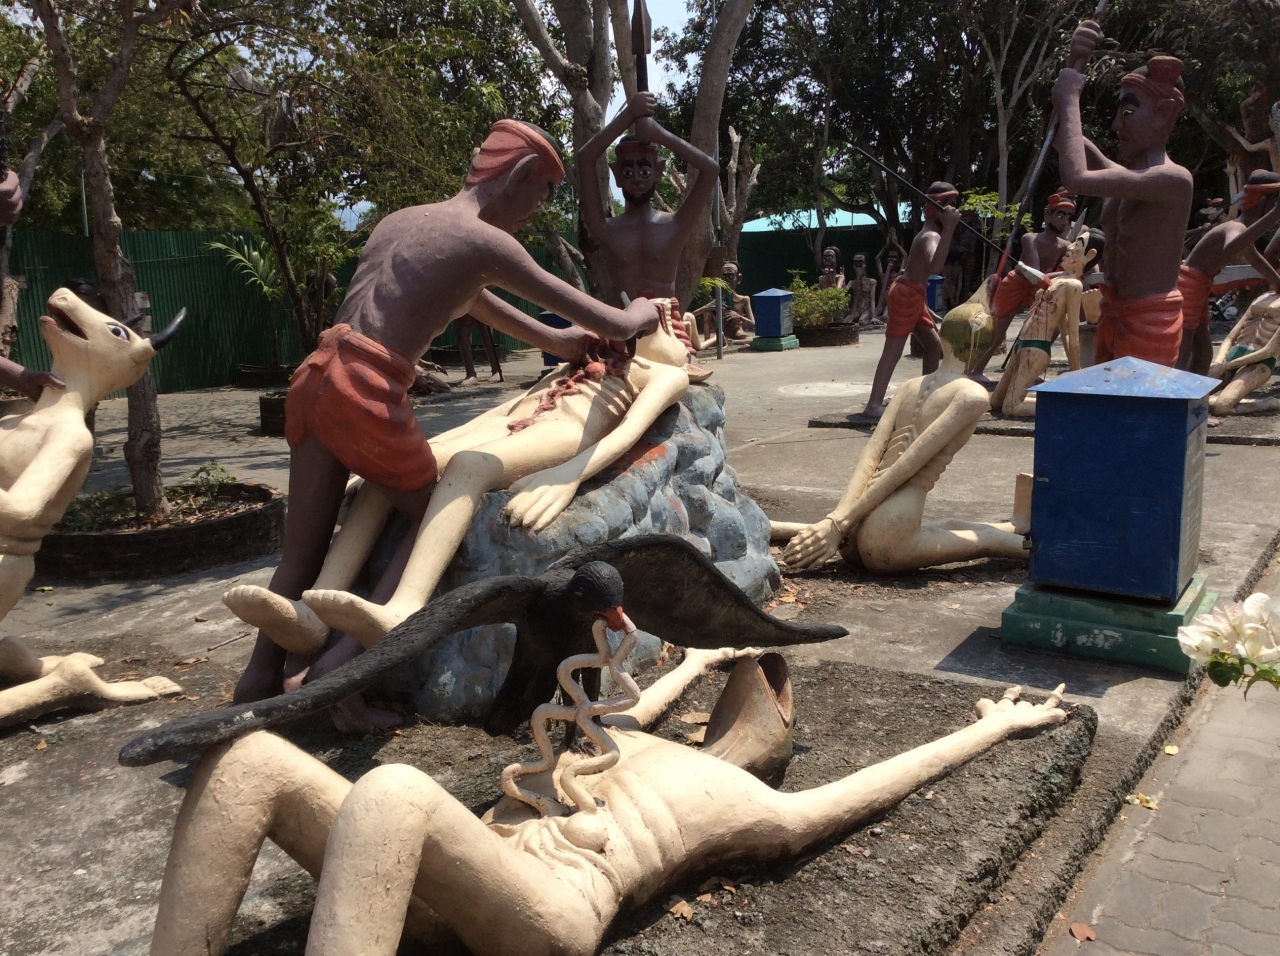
(584, 161)
(25, 503)
(539, 498)
(657, 699)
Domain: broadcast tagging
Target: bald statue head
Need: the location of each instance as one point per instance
(1260, 195)
(966, 333)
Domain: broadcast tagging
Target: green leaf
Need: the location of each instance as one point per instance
(1223, 670)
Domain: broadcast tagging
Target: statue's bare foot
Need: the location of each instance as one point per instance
(298, 668)
(873, 411)
(354, 716)
(258, 682)
(497, 376)
(979, 378)
(291, 624)
(470, 380)
(365, 621)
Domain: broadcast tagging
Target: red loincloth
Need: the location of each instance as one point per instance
(1195, 287)
(1013, 294)
(352, 393)
(1149, 328)
(908, 304)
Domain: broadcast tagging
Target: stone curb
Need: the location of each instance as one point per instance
(1008, 429)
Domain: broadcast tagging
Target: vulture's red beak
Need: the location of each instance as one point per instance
(613, 617)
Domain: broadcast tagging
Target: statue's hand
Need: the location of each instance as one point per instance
(1020, 717)
(539, 498)
(1067, 88)
(1084, 41)
(641, 105)
(647, 129)
(814, 545)
(31, 383)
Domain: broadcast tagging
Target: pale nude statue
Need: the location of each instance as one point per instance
(1054, 311)
(542, 446)
(879, 519)
(396, 854)
(45, 455)
(1246, 358)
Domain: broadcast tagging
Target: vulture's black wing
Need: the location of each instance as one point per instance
(674, 591)
(492, 601)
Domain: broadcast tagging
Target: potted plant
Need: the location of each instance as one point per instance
(814, 312)
(247, 256)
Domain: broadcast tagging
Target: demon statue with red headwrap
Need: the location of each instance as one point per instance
(1222, 245)
(642, 246)
(1041, 250)
(907, 296)
(348, 408)
(1148, 202)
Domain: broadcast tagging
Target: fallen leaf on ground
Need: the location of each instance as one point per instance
(191, 660)
(200, 619)
(681, 910)
(954, 607)
(1141, 799)
(696, 736)
(1171, 750)
(43, 745)
(188, 697)
(788, 599)
(695, 717)
(929, 795)
(706, 898)
(1082, 932)
(716, 883)
(45, 588)
(856, 850)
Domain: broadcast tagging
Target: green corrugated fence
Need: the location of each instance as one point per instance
(228, 323)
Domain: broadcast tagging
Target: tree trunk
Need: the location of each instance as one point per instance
(115, 282)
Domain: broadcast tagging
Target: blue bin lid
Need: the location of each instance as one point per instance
(1133, 378)
(772, 293)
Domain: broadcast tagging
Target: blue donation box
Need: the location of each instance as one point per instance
(1119, 471)
(772, 309)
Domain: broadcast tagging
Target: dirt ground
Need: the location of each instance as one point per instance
(906, 884)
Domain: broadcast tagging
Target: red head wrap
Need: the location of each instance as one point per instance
(1255, 194)
(507, 143)
(1061, 201)
(942, 193)
(1160, 82)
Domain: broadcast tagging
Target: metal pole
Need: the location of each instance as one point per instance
(84, 204)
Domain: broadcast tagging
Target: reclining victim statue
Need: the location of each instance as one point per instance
(542, 446)
(1246, 359)
(45, 455)
(579, 836)
(879, 519)
(1055, 309)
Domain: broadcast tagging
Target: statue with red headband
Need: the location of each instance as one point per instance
(907, 299)
(1222, 245)
(1041, 250)
(643, 245)
(1148, 203)
(348, 407)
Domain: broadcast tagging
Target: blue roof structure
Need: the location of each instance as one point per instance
(770, 293)
(1133, 378)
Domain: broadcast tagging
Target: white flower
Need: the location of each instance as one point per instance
(1247, 631)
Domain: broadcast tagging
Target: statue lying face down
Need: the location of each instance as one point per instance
(45, 455)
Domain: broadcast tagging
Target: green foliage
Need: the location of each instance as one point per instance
(196, 495)
(253, 263)
(1225, 669)
(986, 203)
(813, 308)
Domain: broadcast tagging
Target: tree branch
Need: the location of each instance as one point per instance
(560, 67)
(22, 82)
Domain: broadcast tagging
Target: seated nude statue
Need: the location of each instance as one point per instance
(739, 320)
(542, 446)
(397, 854)
(1055, 309)
(45, 455)
(878, 520)
(1247, 357)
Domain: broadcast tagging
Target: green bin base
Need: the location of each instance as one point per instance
(1105, 628)
(771, 343)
